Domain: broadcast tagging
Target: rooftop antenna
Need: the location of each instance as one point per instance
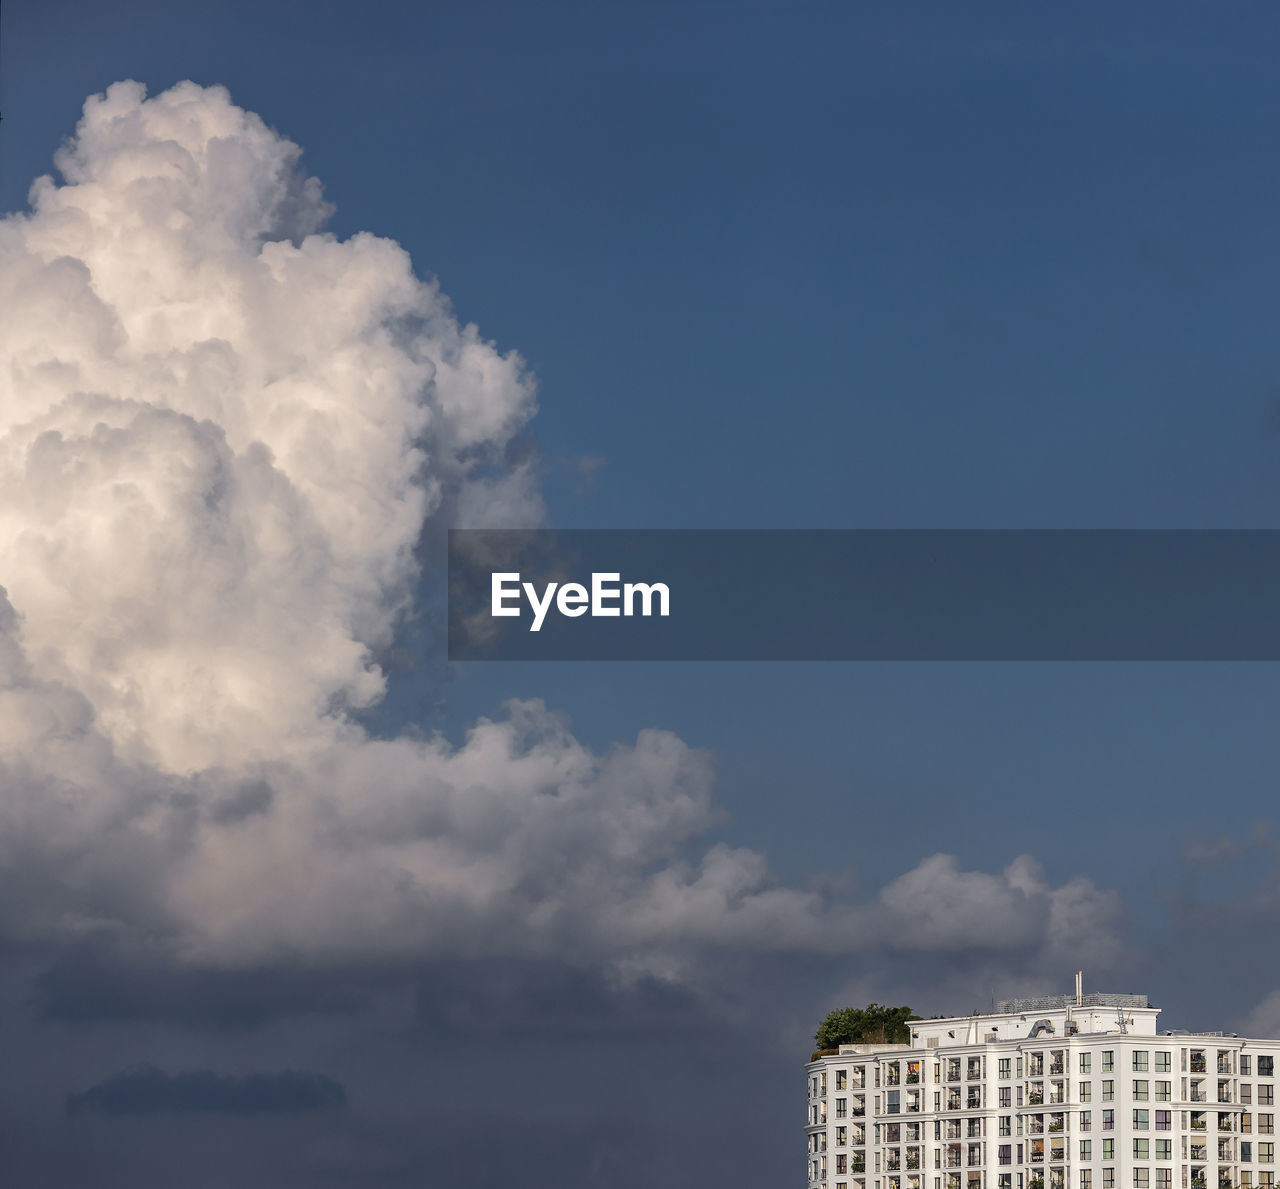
(1079, 988)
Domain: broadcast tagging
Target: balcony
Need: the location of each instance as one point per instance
(1197, 1065)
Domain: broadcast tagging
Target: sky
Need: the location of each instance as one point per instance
(287, 900)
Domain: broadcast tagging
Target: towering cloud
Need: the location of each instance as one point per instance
(223, 433)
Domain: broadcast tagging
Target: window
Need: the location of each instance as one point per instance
(842, 1079)
(1005, 1153)
(1163, 1064)
(1108, 1090)
(841, 1107)
(1141, 1121)
(1266, 1124)
(1108, 1178)
(1246, 1092)
(1086, 1120)
(1086, 1149)
(1266, 1153)
(1246, 1151)
(1108, 1120)
(1108, 1060)
(1006, 1096)
(1266, 1094)
(1086, 1091)
(1164, 1149)
(1164, 1178)
(1139, 1061)
(1142, 1149)
(842, 1136)
(1108, 1149)
(1086, 1178)
(1141, 1178)
(1164, 1091)
(1140, 1088)
(1164, 1120)
(1006, 1067)
(1266, 1067)
(1245, 1066)
(1006, 1124)
(1086, 1062)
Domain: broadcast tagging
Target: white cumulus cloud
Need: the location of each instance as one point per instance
(222, 434)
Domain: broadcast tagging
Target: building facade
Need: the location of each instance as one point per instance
(1067, 1092)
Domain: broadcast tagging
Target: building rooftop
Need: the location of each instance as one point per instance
(1057, 1002)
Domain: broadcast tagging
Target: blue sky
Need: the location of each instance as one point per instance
(827, 265)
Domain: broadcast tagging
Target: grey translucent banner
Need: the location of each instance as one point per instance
(713, 595)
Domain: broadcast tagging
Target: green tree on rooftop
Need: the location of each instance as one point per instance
(873, 1024)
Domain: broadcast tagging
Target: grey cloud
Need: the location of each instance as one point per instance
(149, 1091)
(98, 984)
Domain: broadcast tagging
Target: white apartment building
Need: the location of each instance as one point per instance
(1066, 1092)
